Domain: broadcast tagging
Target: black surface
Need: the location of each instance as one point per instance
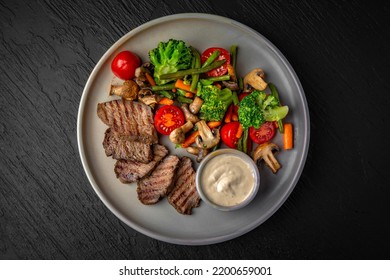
(338, 210)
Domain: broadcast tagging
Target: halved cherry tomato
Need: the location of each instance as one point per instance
(168, 118)
(223, 54)
(228, 134)
(124, 64)
(262, 134)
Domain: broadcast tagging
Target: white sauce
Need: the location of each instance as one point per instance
(227, 180)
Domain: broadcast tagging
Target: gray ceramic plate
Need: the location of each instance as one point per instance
(206, 225)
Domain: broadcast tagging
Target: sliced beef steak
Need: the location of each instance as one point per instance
(130, 119)
(131, 171)
(123, 148)
(184, 196)
(159, 183)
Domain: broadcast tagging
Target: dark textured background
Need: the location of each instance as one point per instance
(338, 210)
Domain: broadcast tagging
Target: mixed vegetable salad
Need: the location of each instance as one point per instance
(202, 103)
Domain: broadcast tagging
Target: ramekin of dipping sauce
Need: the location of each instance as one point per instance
(227, 179)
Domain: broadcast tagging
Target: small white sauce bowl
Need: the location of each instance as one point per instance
(250, 163)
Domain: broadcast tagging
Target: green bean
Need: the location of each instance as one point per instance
(245, 141)
(235, 98)
(240, 144)
(145, 70)
(182, 73)
(233, 59)
(218, 79)
(183, 99)
(180, 92)
(275, 93)
(193, 61)
(211, 58)
(233, 55)
(193, 58)
(166, 94)
(197, 64)
(216, 147)
(240, 84)
(163, 87)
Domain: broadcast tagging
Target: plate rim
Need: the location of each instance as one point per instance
(185, 241)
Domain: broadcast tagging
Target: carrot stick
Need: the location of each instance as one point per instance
(165, 101)
(228, 115)
(180, 84)
(190, 139)
(150, 79)
(189, 94)
(288, 136)
(235, 113)
(234, 117)
(218, 85)
(213, 124)
(240, 131)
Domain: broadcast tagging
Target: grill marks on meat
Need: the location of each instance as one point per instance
(159, 183)
(123, 148)
(132, 171)
(131, 119)
(132, 139)
(169, 175)
(184, 196)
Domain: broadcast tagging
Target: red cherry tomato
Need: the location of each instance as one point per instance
(124, 64)
(262, 134)
(242, 95)
(223, 54)
(228, 134)
(168, 118)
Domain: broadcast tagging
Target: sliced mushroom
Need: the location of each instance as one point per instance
(207, 138)
(266, 152)
(147, 97)
(140, 77)
(231, 85)
(178, 135)
(199, 152)
(128, 90)
(255, 79)
(141, 81)
(195, 105)
(138, 72)
(187, 114)
(147, 67)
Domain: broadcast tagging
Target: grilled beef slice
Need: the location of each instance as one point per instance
(123, 148)
(131, 119)
(159, 183)
(184, 195)
(131, 171)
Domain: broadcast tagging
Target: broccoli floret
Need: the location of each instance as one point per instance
(249, 112)
(215, 102)
(169, 57)
(258, 107)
